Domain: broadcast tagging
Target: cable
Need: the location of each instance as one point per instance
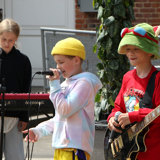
(29, 99)
(32, 150)
(29, 107)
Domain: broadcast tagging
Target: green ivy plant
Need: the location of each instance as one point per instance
(114, 15)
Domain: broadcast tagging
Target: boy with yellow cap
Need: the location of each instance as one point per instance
(73, 124)
(140, 45)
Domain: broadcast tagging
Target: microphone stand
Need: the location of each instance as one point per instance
(2, 91)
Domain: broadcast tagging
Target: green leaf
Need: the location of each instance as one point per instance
(100, 66)
(108, 1)
(96, 6)
(126, 3)
(111, 101)
(113, 64)
(109, 21)
(113, 29)
(101, 36)
(107, 11)
(118, 2)
(95, 48)
(131, 2)
(119, 11)
(97, 97)
(97, 111)
(100, 12)
(101, 74)
(108, 45)
(104, 90)
(131, 12)
(93, 2)
(103, 104)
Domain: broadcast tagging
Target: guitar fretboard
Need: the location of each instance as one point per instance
(147, 120)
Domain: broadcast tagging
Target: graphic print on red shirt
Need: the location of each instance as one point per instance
(131, 99)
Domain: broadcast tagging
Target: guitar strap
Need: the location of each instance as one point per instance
(146, 101)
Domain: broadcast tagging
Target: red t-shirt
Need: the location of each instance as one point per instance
(132, 89)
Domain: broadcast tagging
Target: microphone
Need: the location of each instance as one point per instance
(111, 137)
(47, 72)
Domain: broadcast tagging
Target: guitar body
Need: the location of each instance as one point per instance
(123, 146)
(139, 146)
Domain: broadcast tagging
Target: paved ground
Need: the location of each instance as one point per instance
(43, 150)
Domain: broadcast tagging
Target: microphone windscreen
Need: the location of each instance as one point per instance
(117, 115)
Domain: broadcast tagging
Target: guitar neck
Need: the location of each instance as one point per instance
(147, 120)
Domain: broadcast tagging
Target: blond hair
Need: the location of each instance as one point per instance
(9, 25)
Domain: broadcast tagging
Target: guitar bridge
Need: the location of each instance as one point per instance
(117, 145)
(120, 142)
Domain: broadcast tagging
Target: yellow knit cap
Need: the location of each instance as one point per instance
(69, 46)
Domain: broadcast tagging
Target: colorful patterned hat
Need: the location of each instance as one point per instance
(142, 36)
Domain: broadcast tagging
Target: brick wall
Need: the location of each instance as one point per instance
(145, 11)
(85, 20)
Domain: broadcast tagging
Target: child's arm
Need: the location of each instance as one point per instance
(43, 129)
(77, 98)
(31, 136)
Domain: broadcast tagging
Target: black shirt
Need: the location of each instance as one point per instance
(15, 70)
